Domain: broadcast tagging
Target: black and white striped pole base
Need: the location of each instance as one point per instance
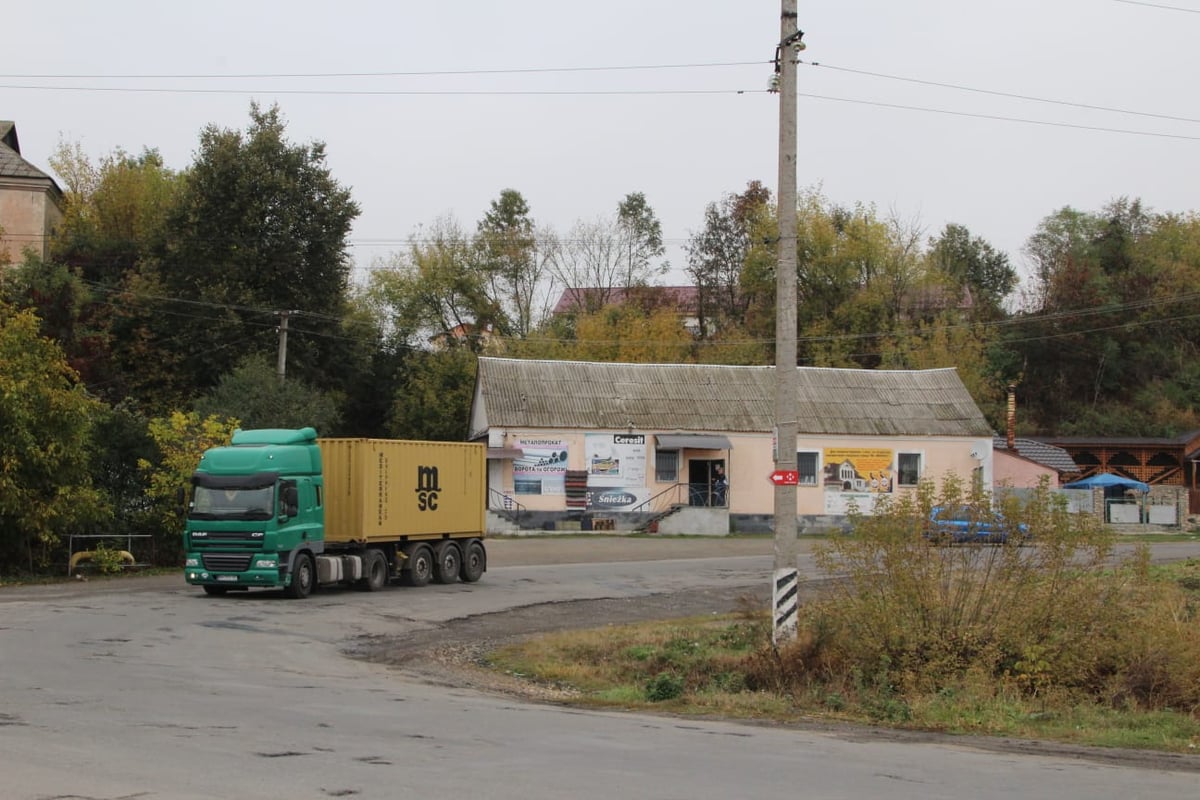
(785, 606)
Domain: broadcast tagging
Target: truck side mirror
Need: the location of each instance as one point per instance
(180, 497)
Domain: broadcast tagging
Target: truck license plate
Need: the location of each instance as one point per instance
(227, 578)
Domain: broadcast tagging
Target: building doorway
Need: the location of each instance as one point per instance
(708, 485)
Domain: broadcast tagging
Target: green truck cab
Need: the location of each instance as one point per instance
(280, 508)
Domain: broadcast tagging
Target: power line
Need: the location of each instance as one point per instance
(393, 74)
(995, 93)
(397, 92)
(1015, 321)
(1002, 118)
(619, 93)
(1159, 5)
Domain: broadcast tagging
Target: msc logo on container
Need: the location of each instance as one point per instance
(428, 487)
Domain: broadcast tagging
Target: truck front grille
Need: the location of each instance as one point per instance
(206, 537)
(227, 562)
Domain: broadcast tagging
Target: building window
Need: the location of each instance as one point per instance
(908, 465)
(808, 464)
(666, 466)
(527, 487)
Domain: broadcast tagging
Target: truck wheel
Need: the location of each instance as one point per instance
(302, 578)
(215, 591)
(449, 561)
(419, 568)
(375, 572)
(474, 563)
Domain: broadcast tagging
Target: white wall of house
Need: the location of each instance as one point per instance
(623, 473)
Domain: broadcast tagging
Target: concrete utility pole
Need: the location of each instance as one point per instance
(281, 364)
(785, 587)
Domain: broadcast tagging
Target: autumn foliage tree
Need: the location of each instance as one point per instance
(46, 490)
(181, 439)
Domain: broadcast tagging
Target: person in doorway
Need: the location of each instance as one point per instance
(720, 485)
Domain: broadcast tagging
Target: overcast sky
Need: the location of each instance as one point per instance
(574, 138)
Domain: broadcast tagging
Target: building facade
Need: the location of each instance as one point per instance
(31, 203)
(633, 441)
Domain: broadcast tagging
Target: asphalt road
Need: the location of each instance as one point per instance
(147, 688)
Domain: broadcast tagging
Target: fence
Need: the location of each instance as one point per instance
(1160, 507)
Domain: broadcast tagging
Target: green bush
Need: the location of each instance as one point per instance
(664, 686)
(108, 560)
(1054, 620)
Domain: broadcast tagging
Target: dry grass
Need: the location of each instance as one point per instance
(1048, 640)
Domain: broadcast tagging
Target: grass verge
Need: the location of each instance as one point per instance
(704, 667)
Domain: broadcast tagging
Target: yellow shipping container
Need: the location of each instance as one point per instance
(387, 489)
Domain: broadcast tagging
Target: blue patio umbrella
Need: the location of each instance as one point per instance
(1106, 480)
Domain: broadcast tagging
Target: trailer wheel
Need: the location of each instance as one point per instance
(302, 578)
(419, 567)
(216, 591)
(474, 563)
(375, 572)
(449, 561)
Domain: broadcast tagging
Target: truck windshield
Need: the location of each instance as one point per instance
(208, 503)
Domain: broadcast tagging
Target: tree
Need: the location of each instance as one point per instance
(629, 334)
(602, 256)
(67, 313)
(434, 400)
(1107, 340)
(1061, 239)
(969, 261)
(260, 226)
(855, 273)
(121, 439)
(112, 222)
(115, 213)
(717, 254)
(253, 394)
(46, 490)
(515, 272)
(434, 292)
(181, 439)
(642, 233)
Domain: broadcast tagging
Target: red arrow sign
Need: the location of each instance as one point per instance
(785, 477)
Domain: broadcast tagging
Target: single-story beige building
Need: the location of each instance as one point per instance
(623, 445)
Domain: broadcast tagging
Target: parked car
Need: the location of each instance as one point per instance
(963, 524)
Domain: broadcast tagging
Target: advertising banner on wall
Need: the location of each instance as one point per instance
(839, 503)
(856, 476)
(542, 469)
(616, 465)
(616, 499)
(859, 469)
(616, 459)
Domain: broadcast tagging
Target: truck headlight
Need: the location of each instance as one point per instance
(192, 562)
(266, 563)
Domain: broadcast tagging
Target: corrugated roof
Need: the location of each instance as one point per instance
(707, 397)
(1045, 454)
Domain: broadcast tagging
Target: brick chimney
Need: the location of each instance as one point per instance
(1011, 442)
